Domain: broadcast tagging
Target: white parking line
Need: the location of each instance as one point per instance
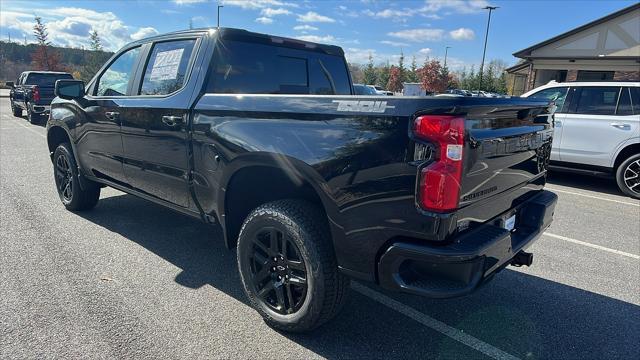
(433, 324)
(614, 251)
(591, 196)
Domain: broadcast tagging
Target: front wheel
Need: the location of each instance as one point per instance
(73, 197)
(288, 267)
(628, 176)
(17, 112)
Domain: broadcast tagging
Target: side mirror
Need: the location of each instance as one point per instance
(69, 89)
(10, 84)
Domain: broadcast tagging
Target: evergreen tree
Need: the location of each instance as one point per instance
(401, 68)
(370, 72)
(44, 58)
(95, 59)
(383, 75)
(412, 75)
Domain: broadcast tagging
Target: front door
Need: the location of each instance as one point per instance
(593, 128)
(154, 127)
(98, 132)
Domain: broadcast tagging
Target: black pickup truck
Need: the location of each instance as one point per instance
(313, 185)
(33, 93)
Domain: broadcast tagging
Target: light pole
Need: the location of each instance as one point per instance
(446, 50)
(486, 35)
(219, 6)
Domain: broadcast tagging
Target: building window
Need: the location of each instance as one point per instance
(584, 75)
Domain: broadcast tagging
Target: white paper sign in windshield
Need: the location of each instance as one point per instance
(165, 66)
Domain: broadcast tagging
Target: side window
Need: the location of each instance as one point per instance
(597, 100)
(251, 68)
(557, 94)
(624, 105)
(167, 67)
(635, 99)
(115, 79)
(244, 68)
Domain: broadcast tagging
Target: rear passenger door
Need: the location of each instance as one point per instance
(596, 124)
(155, 124)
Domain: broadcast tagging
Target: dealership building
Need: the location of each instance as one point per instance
(607, 49)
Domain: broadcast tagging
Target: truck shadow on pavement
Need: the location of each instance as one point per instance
(526, 316)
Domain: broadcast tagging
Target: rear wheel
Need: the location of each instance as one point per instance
(288, 267)
(17, 112)
(628, 176)
(65, 171)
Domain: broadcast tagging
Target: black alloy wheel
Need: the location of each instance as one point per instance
(64, 178)
(278, 272)
(74, 195)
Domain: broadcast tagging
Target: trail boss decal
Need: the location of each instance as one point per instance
(362, 106)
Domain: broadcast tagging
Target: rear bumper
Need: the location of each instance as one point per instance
(40, 109)
(470, 259)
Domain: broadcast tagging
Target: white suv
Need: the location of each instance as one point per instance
(597, 129)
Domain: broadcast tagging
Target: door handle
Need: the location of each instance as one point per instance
(621, 126)
(112, 115)
(557, 123)
(171, 120)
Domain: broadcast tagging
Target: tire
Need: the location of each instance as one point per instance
(65, 173)
(17, 112)
(628, 176)
(31, 117)
(302, 289)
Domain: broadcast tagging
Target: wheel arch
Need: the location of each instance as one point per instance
(624, 153)
(256, 179)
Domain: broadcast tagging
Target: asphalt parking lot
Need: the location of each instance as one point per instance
(132, 279)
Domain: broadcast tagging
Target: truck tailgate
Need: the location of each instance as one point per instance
(507, 147)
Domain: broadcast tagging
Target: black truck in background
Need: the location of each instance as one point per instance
(313, 185)
(33, 92)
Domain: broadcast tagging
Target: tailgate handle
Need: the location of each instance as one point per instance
(171, 120)
(621, 126)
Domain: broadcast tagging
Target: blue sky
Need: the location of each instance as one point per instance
(382, 28)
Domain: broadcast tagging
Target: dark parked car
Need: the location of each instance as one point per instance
(360, 89)
(312, 184)
(33, 92)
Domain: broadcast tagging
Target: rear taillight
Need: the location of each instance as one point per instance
(36, 94)
(439, 183)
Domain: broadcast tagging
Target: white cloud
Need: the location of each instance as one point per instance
(425, 51)
(418, 35)
(144, 32)
(264, 20)
(317, 39)
(313, 17)
(305, 28)
(394, 43)
(257, 4)
(270, 12)
(458, 6)
(462, 34)
(70, 26)
(359, 56)
(389, 13)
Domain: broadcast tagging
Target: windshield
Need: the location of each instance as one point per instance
(45, 80)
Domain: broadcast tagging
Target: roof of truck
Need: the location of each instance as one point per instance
(245, 35)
